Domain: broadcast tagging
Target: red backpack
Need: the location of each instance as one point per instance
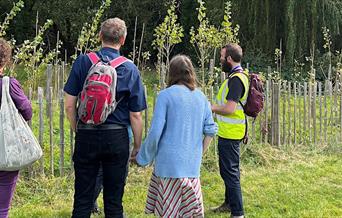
(255, 98)
(97, 99)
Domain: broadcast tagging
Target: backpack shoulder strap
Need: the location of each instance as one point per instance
(93, 57)
(118, 61)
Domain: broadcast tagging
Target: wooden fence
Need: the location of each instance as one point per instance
(295, 113)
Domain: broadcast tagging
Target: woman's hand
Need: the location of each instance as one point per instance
(133, 157)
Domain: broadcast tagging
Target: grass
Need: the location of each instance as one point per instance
(293, 181)
(275, 183)
(302, 134)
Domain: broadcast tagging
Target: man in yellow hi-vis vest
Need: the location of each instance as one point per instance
(232, 126)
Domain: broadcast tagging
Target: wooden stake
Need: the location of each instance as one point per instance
(295, 113)
(51, 131)
(140, 46)
(41, 127)
(134, 39)
(61, 122)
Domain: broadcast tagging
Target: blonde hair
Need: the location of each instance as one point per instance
(5, 53)
(182, 71)
(112, 30)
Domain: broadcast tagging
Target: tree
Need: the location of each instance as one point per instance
(167, 35)
(88, 39)
(228, 33)
(205, 39)
(16, 9)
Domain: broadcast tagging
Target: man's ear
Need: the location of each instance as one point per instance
(122, 40)
(100, 36)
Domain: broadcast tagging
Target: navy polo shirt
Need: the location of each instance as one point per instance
(129, 85)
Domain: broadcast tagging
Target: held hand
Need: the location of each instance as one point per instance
(73, 127)
(134, 155)
(213, 108)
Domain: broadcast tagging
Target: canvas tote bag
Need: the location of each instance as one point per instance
(18, 146)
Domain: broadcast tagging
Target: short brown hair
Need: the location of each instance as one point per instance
(5, 53)
(234, 51)
(112, 30)
(182, 71)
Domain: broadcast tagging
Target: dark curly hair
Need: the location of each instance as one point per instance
(5, 53)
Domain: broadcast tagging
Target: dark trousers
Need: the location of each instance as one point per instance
(110, 149)
(99, 186)
(229, 162)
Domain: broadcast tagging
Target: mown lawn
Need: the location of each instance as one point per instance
(278, 184)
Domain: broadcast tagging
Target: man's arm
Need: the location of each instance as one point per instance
(70, 109)
(226, 109)
(236, 91)
(137, 127)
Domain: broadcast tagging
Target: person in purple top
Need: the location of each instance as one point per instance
(8, 179)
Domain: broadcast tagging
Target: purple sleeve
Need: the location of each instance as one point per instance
(20, 100)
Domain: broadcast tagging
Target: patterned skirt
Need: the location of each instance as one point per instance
(174, 197)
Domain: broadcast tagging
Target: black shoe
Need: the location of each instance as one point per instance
(221, 209)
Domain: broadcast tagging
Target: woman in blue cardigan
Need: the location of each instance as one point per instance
(175, 144)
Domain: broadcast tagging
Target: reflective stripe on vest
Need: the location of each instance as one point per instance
(230, 120)
(232, 126)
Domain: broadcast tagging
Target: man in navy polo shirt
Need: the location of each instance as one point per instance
(107, 144)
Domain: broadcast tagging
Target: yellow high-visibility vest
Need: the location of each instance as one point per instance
(232, 126)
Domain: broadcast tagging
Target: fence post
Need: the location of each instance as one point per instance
(57, 71)
(146, 113)
(338, 87)
(285, 97)
(335, 101)
(300, 130)
(50, 110)
(211, 94)
(30, 99)
(71, 131)
(266, 110)
(331, 108)
(320, 111)
(48, 85)
(305, 112)
(314, 112)
(295, 113)
(326, 91)
(309, 110)
(223, 77)
(272, 114)
(30, 168)
(154, 96)
(289, 113)
(277, 114)
(269, 71)
(61, 121)
(71, 148)
(41, 126)
(341, 107)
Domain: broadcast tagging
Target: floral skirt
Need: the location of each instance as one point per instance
(174, 197)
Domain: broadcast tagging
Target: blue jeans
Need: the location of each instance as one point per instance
(229, 162)
(95, 148)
